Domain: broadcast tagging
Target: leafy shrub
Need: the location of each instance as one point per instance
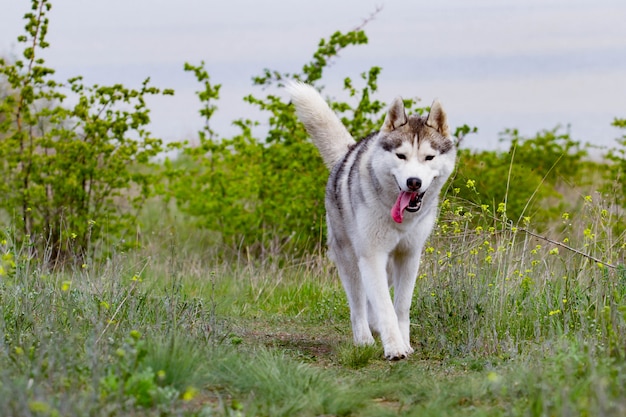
(76, 173)
(71, 173)
(524, 181)
(266, 194)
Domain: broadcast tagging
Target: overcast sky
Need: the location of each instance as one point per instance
(495, 64)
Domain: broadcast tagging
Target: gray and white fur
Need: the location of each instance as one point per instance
(381, 204)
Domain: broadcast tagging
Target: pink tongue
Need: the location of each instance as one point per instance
(397, 211)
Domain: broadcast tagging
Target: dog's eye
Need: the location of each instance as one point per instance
(401, 156)
(430, 157)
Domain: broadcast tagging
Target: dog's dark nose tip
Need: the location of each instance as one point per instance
(414, 183)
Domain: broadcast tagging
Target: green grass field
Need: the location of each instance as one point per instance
(173, 321)
(503, 324)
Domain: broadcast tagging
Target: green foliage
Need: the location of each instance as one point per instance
(505, 322)
(128, 377)
(525, 181)
(498, 272)
(500, 322)
(73, 340)
(266, 194)
(617, 173)
(70, 172)
(74, 174)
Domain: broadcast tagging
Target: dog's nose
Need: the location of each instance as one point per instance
(414, 183)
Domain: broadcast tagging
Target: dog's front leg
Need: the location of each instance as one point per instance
(374, 276)
(404, 274)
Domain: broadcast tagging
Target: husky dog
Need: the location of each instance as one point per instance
(381, 205)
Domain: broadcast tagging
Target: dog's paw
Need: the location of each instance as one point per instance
(398, 352)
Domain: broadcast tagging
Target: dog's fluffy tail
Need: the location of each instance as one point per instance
(328, 133)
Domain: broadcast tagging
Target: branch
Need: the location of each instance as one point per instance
(546, 239)
(569, 248)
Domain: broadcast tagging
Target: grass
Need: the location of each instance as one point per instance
(503, 324)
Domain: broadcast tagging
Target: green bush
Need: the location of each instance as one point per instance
(71, 173)
(266, 194)
(75, 175)
(525, 180)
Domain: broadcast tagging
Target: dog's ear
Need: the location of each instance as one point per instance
(396, 116)
(437, 119)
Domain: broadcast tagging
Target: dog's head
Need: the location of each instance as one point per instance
(419, 154)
